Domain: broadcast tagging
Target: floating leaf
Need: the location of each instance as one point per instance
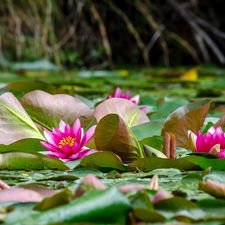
(103, 161)
(27, 86)
(190, 75)
(113, 134)
(73, 163)
(188, 117)
(82, 172)
(191, 180)
(214, 208)
(95, 207)
(47, 110)
(126, 109)
(113, 174)
(148, 215)
(168, 106)
(178, 206)
(56, 200)
(42, 64)
(202, 154)
(22, 160)
(147, 129)
(14, 121)
(141, 200)
(204, 163)
(152, 163)
(23, 144)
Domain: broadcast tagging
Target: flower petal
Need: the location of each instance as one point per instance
(215, 150)
(221, 154)
(127, 95)
(57, 132)
(66, 149)
(118, 93)
(69, 131)
(45, 152)
(54, 154)
(49, 146)
(51, 155)
(211, 130)
(144, 108)
(66, 160)
(200, 143)
(87, 136)
(209, 142)
(135, 99)
(77, 129)
(82, 154)
(60, 155)
(192, 141)
(49, 138)
(222, 144)
(56, 139)
(75, 147)
(62, 125)
(218, 135)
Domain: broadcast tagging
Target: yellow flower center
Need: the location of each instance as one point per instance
(66, 141)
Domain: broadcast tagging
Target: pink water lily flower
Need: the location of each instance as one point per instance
(68, 143)
(213, 142)
(135, 99)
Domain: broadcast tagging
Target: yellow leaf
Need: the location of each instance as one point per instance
(36, 73)
(25, 174)
(190, 75)
(123, 72)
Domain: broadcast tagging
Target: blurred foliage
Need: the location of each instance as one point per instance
(98, 34)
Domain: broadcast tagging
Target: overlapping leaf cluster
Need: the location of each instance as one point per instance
(122, 129)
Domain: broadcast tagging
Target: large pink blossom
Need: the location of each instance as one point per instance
(213, 142)
(68, 143)
(135, 99)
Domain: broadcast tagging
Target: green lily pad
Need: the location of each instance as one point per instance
(103, 161)
(204, 163)
(95, 207)
(15, 122)
(23, 160)
(146, 130)
(152, 163)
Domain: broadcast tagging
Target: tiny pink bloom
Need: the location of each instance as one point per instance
(68, 143)
(135, 99)
(213, 142)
